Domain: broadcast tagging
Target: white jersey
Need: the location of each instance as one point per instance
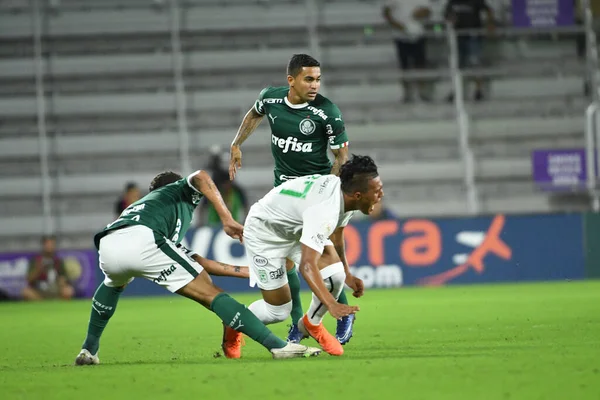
(306, 210)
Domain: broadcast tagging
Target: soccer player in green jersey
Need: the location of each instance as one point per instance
(303, 124)
(144, 242)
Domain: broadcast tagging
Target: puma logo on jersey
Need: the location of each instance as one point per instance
(338, 118)
(272, 118)
(291, 144)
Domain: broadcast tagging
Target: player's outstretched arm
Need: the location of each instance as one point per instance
(341, 156)
(205, 185)
(251, 121)
(312, 276)
(354, 283)
(217, 268)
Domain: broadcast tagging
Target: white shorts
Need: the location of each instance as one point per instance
(138, 251)
(267, 253)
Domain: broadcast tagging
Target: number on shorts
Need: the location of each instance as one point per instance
(300, 195)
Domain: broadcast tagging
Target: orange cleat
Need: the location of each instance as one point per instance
(325, 339)
(232, 342)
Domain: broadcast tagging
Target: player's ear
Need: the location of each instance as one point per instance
(290, 80)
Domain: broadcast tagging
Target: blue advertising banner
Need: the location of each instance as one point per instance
(393, 253)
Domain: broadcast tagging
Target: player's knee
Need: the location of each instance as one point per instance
(278, 313)
(334, 277)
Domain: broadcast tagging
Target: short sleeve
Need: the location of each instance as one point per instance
(319, 222)
(346, 218)
(191, 193)
(336, 129)
(189, 181)
(259, 106)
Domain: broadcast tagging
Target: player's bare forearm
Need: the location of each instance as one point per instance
(204, 183)
(312, 276)
(251, 121)
(341, 156)
(218, 268)
(337, 238)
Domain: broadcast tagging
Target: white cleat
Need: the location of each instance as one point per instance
(86, 358)
(294, 350)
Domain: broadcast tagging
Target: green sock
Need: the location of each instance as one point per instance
(342, 299)
(241, 319)
(104, 305)
(294, 282)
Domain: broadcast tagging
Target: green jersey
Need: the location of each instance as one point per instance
(168, 211)
(300, 133)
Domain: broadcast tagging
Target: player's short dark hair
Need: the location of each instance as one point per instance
(356, 173)
(298, 61)
(163, 179)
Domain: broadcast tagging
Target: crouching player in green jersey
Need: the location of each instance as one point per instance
(143, 242)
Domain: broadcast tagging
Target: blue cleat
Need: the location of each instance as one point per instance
(294, 334)
(343, 333)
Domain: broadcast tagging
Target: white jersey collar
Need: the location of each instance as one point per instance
(294, 106)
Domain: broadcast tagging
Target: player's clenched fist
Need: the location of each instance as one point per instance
(356, 284)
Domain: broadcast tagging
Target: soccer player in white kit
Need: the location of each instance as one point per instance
(295, 220)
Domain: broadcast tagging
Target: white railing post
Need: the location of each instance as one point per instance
(462, 119)
(592, 113)
(180, 95)
(591, 119)
(591, 50)
(48, 224)
(312, 27)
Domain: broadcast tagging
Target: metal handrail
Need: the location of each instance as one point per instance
(48, 224)
(462, 119)
(180, 95)
(591, 115)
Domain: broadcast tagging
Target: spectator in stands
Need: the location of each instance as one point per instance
(406, 18)
(130, 195)
(466, 14)
(46, 276)
(233, 196)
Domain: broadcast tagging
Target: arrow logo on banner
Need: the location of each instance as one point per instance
(484, 244)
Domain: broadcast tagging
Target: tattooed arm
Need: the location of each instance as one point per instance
(248, 126)
(221, 269)
(341, 156)
(205, 185)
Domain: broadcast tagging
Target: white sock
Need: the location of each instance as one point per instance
(270, 314)
(334, 277)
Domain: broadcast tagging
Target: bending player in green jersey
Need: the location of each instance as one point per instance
(303, 124)
(144, 242)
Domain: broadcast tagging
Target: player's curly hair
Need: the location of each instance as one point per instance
(298, 61)
(163, 179)
(356, 173)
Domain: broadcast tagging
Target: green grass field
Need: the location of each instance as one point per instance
(539, 341)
